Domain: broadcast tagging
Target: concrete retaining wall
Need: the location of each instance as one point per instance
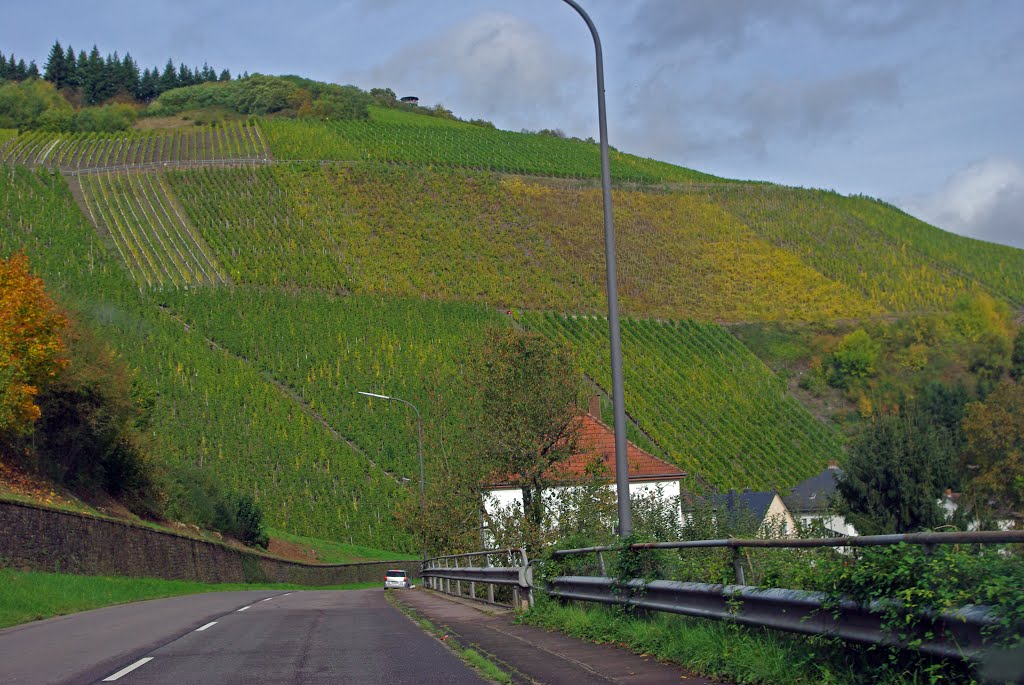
(41, 539)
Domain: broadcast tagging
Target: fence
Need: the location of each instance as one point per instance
(963, 633)
(440, 572)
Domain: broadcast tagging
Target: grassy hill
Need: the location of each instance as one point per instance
(271, 269)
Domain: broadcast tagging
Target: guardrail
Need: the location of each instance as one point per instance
(963, 633)
(440, 572)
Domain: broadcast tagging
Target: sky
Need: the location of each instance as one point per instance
(917, 102)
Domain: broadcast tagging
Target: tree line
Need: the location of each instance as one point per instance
(97, 78)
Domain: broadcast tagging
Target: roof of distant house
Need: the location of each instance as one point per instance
(596, 447)
(757, 503)
(813, 494)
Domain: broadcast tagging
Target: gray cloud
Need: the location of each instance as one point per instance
(984, 200)
(746, 119)
(724, 27)
(493, 64)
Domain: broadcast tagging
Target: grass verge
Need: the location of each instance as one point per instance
(31, 595)
(331, 552)
(481, 663)
(739, 654)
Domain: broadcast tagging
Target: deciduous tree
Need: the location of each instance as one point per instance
(32, 348)
(993, 458)
(895, 475)
(526, 391)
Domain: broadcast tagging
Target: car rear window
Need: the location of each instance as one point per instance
(395, 574)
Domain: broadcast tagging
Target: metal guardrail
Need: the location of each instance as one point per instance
(964, 633)
(926, 540)
(440, 572)
(960, 634)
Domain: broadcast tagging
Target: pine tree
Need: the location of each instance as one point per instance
(3, 67)
(169, 78)
(56, 69)
(72, 66)
(225, 75)
(20, 70)
(128, 81)
(92, 83)
(12, 68)
(184, 75)
(33, 70)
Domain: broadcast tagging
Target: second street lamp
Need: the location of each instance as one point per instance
(419, 444)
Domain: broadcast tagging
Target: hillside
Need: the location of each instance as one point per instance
(257, 274)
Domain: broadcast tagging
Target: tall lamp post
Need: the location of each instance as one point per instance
(419, 443)
(618, 399)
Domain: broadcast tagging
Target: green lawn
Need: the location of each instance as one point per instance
(31, 596)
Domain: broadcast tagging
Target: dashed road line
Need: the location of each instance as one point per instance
(201, 628)
(127, 669)
(244, 608)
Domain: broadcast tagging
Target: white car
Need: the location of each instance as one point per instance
(397, 578)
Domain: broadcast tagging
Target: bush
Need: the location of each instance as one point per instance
(854, 360)
(197, 498)
(90, 435)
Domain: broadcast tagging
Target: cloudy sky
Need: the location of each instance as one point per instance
(919, 102)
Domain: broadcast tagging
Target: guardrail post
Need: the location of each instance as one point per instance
(490, 586)
(737, 565)
(600, 561)
(458, 583)
(472, 585)
(515, 588)
(447, 581)
(529, 589)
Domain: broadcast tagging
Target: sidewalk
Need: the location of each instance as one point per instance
(536, 655)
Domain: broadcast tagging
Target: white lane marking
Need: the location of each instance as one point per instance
(127, 669)
(267, 599)
(244, 608)
(286, 594)
(211, 623)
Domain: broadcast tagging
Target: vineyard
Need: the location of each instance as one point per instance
(157, 244)
(458, 234)
(381, 139)
(328, 348)
(874, 249)
(705, 399)
(231, 140)
(210, 408)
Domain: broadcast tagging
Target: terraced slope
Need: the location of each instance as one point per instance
(232, 140)
(427, 140)
(159, 247)
(210, 408)
(874, 249)
(457, 234)
(709, 403)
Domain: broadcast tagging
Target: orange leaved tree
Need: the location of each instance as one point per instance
(32, 346)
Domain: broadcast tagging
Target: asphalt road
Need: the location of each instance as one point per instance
(351, 636)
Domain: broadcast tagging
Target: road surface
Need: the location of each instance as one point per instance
(352, 636)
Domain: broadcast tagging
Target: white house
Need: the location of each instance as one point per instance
(809, 502)
(596, 444)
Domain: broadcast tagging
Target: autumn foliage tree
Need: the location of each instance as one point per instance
(993, 458)
(32, 346)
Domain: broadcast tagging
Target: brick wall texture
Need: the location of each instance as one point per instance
(42, 539)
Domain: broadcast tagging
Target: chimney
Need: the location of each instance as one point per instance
(595, 407)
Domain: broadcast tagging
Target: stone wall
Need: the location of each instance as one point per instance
(41, 539)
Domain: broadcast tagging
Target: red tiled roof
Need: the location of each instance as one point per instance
(596, 442)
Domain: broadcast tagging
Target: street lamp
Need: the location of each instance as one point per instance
(618, 400)
(419, 443)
